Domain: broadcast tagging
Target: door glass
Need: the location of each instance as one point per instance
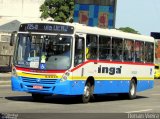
(79, 51)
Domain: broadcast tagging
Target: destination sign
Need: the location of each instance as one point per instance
(46, 28)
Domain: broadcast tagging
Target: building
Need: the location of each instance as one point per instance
(19, 10)
(13, 12)
(101, 13)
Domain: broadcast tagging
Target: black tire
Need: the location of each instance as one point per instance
(132, 90)
(87, 93)
(37, 97)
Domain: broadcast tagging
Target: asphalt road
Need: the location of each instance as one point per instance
(16, 102)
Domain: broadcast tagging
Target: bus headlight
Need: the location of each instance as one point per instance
(14, 73)
(65, 76)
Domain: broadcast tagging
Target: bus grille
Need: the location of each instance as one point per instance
(40, 81)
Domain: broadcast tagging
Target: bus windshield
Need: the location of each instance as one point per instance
(48, 52)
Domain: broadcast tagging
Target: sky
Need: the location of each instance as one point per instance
(141, 15)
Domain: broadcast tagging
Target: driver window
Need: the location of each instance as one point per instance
(79, 51)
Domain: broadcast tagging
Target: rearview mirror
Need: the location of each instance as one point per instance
(13, 38)
(80, 43)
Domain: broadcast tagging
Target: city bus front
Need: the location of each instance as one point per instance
(42, 59)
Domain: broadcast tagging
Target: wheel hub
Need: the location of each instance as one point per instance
(86, 91)
(132, 89)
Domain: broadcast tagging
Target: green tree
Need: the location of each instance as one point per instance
(128, 30)
(59, 10)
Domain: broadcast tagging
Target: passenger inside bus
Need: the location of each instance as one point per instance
(91, 53)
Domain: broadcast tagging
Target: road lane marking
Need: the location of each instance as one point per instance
(156, 94)
(5, 85)
(146, 110)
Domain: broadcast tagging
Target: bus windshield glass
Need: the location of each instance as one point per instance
(46, 52)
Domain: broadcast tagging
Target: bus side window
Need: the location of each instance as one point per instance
(104, 47)
(79, 51)
(91, 47)
(128, 50)
(139, 51)
(117, 46)
(149, 52)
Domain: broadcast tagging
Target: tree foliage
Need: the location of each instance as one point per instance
(59, 10)
(128, 30)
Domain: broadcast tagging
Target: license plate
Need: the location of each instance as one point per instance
(37, 87)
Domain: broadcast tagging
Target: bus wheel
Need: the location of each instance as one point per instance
(37, 97)
(87, 93)
(132, 90)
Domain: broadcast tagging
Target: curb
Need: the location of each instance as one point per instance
(5, 76)
(5, 82)
(5, 79)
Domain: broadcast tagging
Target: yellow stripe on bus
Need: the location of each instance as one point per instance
(44, 76)
(111, 78)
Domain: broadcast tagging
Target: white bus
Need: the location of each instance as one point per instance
(73, 59)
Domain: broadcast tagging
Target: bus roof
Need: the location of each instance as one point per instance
(81, 28)
(112, 33)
